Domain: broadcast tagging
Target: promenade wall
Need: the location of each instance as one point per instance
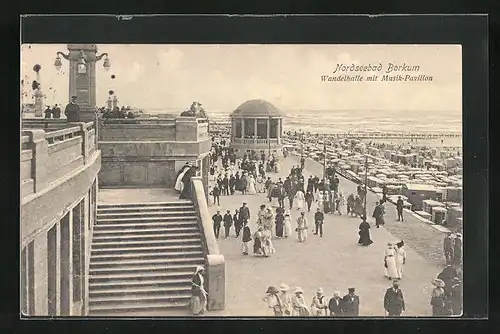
(59, 163)
(149, 151)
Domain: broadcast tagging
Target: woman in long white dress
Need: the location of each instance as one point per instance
(287, 225)
(267, 244)
(251, 185)
(390, 262)
(259, 185)
(299, 200)
(178, 183)
(400, 258)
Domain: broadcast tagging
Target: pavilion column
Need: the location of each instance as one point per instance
(269, 129)
(242, 128)
(255, 131)
(278, 131)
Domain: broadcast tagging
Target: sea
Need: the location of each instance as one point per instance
(344, 121)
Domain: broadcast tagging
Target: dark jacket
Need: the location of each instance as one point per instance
(217, 219)
(72, 112)
(216, 191)
(399, 204)
(228, 220)
(247, 235)
(394, 301)
(335, 306)
(244, 213)
(309, 197)
(319, 217)
(350, 306)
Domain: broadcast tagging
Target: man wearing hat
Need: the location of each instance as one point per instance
(286, 299)
(318, 305)
(217, 218)
(456, 296)
(394, 303)
(272, 300)
(448, 247)
(350, 304)
(335, 304)
(72, 111)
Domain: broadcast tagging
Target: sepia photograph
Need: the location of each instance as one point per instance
(241, 180)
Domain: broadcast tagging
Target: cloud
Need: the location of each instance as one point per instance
(170, 60)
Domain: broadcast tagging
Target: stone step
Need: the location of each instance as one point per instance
(161, 267)
(151, 283)
(146, 219)
(145, 276)
(144, 249)
(150, 304)
(172, 232)
(169, 213)
(171, 254)
(173, 224)
(144, 204)
(145, 237)
(104, 244)
(180, 207)
(139, 292)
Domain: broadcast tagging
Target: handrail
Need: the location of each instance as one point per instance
(205, 220)
(215, 264)
(62, 132)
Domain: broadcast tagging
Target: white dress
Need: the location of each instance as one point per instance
(251, 186)
(299, 200)
(390, 257)
(178, 183)
(400, 258)
(287, 226)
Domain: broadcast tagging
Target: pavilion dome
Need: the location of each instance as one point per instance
(256, 108)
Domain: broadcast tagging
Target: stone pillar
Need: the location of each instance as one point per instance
(255, 131)
(77, 258)
(268, 128)
(85, 141)
(24, 281)
(216, 282)
(41, 274)
(66, 277)
(52, 278)
(58, 267)
(39, 105)
(242, 128)
(40, 156)
(278, 132)
(30, 257)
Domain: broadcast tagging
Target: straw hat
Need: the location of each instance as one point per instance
(298, 290)
(320, 290)
(438, 282)
(284, 287)
(199, 268)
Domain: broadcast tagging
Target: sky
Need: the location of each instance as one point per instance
(221, 77)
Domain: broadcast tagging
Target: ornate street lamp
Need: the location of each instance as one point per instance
(82, 74)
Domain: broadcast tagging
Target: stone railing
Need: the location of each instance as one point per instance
(215, 264)
(255, 141)
(46, 155)
(179, 129)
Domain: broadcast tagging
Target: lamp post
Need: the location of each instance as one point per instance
(82, 75)
(324, 161)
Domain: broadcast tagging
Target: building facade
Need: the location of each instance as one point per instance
(256, 128)
(59, 169)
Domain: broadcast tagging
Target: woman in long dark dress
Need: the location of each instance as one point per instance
(279, 224)
(257, 241)
(364, 234)
(186, 180)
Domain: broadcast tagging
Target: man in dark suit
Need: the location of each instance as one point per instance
(350, 304)
(335, 305)
(394, 302)
(244, 213)
(217, 218)
(72, 111)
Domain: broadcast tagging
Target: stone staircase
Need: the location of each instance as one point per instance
(143, 257)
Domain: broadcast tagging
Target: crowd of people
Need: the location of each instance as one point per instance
(296, 193)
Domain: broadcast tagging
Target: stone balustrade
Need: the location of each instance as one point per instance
(47, 154)
(149, 151)
(215, 263)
